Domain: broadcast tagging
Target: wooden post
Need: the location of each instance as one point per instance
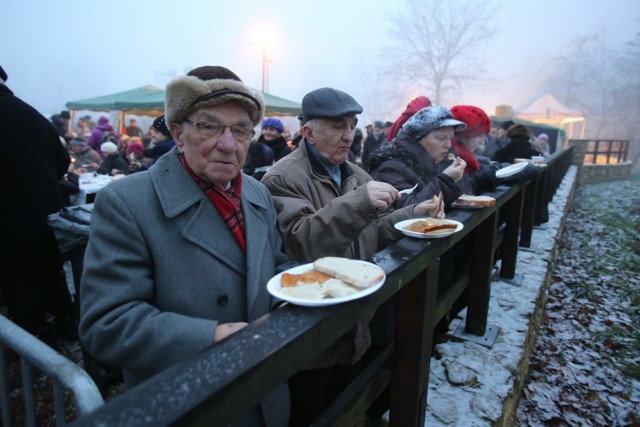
(414, 338)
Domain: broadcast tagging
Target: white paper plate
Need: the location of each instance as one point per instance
(403, 224)
(274, 287)
(511, 170)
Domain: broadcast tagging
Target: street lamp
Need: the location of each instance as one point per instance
(265, 69)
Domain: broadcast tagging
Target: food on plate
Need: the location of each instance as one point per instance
(310, 276)
(438, 200)
(336, 288)
(468, 200)
(331, 277)
(352, 272)
(306, 291)
(431, 225)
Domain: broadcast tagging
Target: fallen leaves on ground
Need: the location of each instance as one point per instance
(585, 367)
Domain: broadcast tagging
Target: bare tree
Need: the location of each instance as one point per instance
(602, 81)
(435, 46)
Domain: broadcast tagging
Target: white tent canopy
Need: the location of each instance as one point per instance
(548, 110)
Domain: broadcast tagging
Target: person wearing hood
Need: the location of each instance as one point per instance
(272, 130)
(418, 155)
(97, 134)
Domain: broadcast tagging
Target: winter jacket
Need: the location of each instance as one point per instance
(161, 149)
(162, 269)
(28, 196)
(371, 144)
(405, 163)
(260, 157)
(516, 148)
(278, 146)
(111, 162)
(85, 158)
(317, 218)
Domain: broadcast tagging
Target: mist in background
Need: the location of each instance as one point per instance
(55, 52)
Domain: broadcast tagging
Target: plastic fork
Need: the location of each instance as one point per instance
(408, 190)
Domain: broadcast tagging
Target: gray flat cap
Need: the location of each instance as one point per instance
(429, 119)
(328, 103)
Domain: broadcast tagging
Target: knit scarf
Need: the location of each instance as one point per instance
(227, 203)
(466, 155)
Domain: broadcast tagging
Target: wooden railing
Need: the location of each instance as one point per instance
(604, 151)
(217, 385)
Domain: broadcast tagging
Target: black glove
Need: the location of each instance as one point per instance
(526, 174)
(485, 179)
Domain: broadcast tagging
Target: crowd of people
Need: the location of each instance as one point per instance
(179, 256)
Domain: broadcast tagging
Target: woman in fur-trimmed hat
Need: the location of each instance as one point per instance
(418, 155)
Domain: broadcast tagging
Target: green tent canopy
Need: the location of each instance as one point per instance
(146, 99)
(149, 100)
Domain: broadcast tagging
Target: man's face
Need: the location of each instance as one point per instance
(216, 160)
(438, 142)
(501, 133)
(332, 137)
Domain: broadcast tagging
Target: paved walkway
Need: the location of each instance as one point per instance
(473, 385)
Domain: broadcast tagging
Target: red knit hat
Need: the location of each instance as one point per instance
(478, 123)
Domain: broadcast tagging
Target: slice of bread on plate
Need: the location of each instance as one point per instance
(359, 274)
(467, 200)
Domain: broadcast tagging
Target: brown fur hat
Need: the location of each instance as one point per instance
(207, 86)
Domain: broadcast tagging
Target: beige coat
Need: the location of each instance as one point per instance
(316, 218)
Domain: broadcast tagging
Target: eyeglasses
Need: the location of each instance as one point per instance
(213, 130)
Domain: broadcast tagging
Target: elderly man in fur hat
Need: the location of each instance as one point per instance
(179, 255)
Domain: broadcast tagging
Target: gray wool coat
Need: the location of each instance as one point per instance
(162, 269)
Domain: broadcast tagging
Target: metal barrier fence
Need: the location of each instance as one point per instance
(204, 391)
(64, 373)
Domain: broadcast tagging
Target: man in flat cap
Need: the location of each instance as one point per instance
(179, 255)
(327, 206)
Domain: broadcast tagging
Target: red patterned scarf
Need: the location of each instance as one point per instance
(226, 202)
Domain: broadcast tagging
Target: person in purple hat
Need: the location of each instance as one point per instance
(97, 134)
(272, 136)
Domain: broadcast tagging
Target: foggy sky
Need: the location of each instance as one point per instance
(60, 51)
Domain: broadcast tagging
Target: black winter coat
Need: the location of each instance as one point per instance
(278, 146)
(515, 148)
(111, 162)
(28, 140)
(405, 163)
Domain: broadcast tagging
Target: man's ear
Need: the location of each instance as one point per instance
(307, 132)
(177, 134)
